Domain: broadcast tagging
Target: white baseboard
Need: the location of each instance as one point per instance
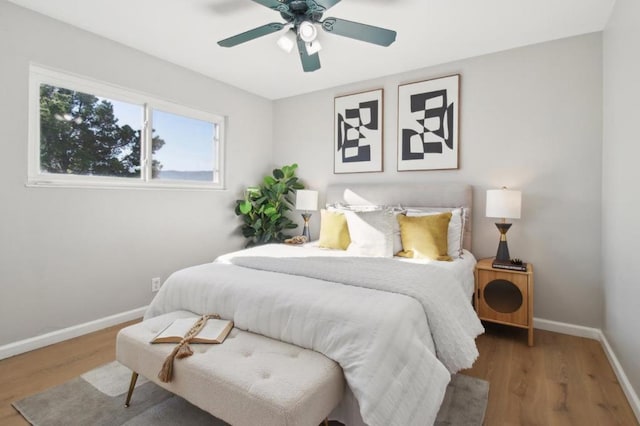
(47, 339)
(631, 394)
(565, 328)
(596, 334)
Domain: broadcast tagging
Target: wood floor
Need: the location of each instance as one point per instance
(562, 380)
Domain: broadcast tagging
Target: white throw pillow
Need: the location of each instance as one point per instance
(397, 239)
(456, 226)
(371, 233)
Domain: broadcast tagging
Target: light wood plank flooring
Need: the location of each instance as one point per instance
(562, 380)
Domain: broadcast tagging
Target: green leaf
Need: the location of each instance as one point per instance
(291, 170)
(280, 188)
(245, 207)
(275, 217)
(268, 181)
(270, 211)
(278, 173)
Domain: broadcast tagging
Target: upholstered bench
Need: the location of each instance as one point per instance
(247, 380)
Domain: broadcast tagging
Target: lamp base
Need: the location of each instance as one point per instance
(503, 249)
(305, 230)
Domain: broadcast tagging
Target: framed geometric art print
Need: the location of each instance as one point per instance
(357, 140)
(428, 124)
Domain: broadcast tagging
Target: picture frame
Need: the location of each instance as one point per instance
(428, 124)
(358, 132)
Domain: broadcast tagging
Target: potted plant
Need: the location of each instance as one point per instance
(264, 207)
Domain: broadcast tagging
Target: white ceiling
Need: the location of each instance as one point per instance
(430, 32)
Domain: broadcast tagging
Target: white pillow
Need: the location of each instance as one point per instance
(456, 226)
(371, 233)
(354, 208)
(397, 239)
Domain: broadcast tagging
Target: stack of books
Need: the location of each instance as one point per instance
(510, 265)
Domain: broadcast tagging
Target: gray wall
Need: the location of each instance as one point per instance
(69, 256)
(620, 193)
(530, 118)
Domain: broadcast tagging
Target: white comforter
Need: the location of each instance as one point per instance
(378, 328)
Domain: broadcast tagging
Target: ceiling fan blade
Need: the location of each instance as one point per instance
(251, 34)
(309, 62)
(327, 3)
(358, 31)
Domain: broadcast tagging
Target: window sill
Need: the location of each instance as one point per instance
(138, 185)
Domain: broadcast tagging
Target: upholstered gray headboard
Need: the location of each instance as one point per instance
(408, 195)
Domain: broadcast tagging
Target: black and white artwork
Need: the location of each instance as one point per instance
(357, 145)
(428, 124)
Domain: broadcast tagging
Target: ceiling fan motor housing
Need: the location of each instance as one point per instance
(302, 10)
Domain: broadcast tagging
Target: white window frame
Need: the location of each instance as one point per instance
(41, 75)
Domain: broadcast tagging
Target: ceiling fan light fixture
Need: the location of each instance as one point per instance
(307, 31)
(313, 47)
(287, 41)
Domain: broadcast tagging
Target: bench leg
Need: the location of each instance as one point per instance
(132, 386)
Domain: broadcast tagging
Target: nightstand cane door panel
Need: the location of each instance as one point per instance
(503, 297)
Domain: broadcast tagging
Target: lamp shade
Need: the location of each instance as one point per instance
(307, 31)
(503, 203)
(306, 200)
(287, 41)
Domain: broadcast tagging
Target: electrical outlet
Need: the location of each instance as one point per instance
(155, 284)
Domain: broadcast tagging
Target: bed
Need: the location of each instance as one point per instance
(398, 327)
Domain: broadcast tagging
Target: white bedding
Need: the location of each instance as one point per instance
(381, 337)
(461, 267)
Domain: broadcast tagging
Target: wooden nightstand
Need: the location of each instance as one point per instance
(504, 297)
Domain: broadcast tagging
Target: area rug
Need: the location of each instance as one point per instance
(97, 398)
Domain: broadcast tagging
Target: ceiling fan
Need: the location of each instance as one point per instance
(301, 17)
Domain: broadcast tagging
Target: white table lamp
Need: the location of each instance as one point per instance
(306, 200)
(504, 204)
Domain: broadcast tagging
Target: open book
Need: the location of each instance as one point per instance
(214, 331)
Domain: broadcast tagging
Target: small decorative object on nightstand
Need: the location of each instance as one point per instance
(505, 296)
(307, 201)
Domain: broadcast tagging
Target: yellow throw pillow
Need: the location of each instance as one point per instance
(334, 232)
(425, 237)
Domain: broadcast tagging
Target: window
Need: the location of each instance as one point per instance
(85, 133)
